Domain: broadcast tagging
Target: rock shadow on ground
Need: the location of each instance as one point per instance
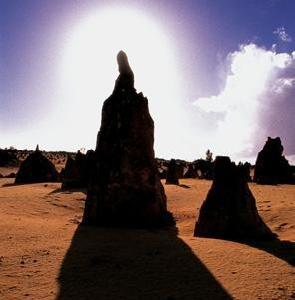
(107, 263)
(284, 250)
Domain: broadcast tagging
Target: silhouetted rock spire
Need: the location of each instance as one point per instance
(229, 210)
(125, 189)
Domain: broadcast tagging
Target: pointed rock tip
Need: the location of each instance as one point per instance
(121, 55)
(123, 63)
(125, 80)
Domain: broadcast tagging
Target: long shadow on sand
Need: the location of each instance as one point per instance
(284, 250)
(134, 264)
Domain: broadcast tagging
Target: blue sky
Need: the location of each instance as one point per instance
(208, 38)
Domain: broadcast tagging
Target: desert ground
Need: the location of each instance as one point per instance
(46, 254)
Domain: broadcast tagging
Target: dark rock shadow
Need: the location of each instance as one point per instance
(284, 250)
(106, 263)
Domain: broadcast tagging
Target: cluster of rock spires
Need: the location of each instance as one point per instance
(229, 211)
(200, 168)
(125, 189)
(36, 168)
(123, 176)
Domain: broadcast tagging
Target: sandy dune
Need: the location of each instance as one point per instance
(46, 254)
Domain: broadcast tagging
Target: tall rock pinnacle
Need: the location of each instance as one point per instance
(125, 189)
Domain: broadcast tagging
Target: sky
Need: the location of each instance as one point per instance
(218, 74)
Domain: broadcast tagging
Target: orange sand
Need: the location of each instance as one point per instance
(45, 254)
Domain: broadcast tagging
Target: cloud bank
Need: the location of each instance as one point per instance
(257, 101)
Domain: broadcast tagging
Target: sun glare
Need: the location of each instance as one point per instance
(89, 67)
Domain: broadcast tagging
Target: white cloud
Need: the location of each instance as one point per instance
(282, 34)
(257, 81)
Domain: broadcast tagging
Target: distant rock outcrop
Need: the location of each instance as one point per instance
(71, 175)
(191, 171)
(172, 173)
(229, 210)
(204, 168)
(125, 189)
(36, 168)
(8, 158)
(77, 171)
(271, 166)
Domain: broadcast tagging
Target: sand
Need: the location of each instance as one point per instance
(46, 254)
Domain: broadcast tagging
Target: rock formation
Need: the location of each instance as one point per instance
(271, 166)
(204, 168)
(229, 210)
(125, 189)
(8, 158)
(71, 175)
(36, 168)
(172, 173)
(77, 171)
